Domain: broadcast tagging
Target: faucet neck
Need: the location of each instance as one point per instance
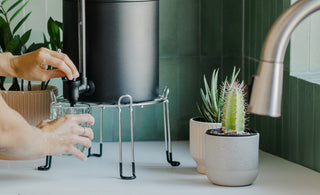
(276, 43)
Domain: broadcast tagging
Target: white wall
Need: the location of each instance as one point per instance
(305, 52)
(41, 11)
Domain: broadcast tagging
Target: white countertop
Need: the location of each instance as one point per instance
(154, 175)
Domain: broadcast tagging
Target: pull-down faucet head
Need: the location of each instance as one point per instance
(266, 93)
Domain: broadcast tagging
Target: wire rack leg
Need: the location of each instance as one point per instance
(167, 132)
(101, 143)
(47, 166)
(133, 176)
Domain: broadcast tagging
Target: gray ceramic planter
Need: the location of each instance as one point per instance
(231, 160)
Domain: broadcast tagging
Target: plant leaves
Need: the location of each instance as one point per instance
(18, 11)
(14, 5)
(54, 34)
(214, 90)
(5, 35)
(14, 46)
(3, 2)
(2, 23)
(15, 85)
(25, 37)
(29, 85)
(22, 85)
(36, 46)
(60, 24)
(234, 76)
(2, 80)
(45, 39)
(20, 23)
(206, 103)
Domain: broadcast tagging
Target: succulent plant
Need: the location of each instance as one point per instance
(234, 109)
(213, 98)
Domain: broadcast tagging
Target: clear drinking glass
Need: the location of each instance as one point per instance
(58, 109)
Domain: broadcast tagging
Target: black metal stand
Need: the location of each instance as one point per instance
(47, 166)
(166, 119)
(101, 126)
(95, 154)
(167, 132)
(133, 176)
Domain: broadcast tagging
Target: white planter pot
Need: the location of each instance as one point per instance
(197, 141)
(232, 160)
(33, 105)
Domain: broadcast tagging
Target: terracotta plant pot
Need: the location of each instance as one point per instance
(231, 160)
(33, 105)
(198, 129)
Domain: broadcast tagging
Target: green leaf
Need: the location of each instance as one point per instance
(60, 24)
(18, 11)
(25, 37)
(20, 23)
(46, 85)
(2, 23)
(53, 28)
(2, 80)
(36, 46)
(206, 103)
(13, 46)
(234, 76)
(5, 35)
(214, 90)
(23, 49)
(3, 2)
(14, 5)
(15, 85)
(204, 115)
(22, 85)
(29, 85)
(45, 38)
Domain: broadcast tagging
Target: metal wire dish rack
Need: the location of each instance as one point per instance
(162, 99)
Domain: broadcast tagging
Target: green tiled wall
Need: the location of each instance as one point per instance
(181, 67)
(294, 135)
(196, 36)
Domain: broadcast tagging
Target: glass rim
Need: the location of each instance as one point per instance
(76, 106)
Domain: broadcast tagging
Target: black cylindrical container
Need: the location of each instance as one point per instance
(122, 47)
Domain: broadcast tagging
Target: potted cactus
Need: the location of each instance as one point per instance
(210, 110)
(231, 152)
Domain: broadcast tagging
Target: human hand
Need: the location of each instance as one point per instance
(30, 66)
(63, 133)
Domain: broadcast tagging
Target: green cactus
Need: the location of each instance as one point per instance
(213, 98)
(234, 109)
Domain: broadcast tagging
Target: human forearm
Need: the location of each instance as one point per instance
(6, 68)
(17, 137)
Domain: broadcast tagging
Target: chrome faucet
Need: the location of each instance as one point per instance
(266, 93)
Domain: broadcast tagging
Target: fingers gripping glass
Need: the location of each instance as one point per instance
(59, 109)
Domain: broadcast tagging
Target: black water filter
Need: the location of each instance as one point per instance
(122, 41)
